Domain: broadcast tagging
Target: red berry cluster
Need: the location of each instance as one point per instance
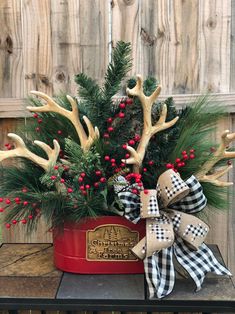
(135, 178)
(114, 164)
(84, 182)
(8, 146)
(120, 114)
(132, 142)
(19, 201)
(57, 175)
(181, 162)
(39, 121)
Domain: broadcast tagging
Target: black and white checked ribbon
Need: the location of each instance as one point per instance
(195, 201)
(159, 273)
(201, 261)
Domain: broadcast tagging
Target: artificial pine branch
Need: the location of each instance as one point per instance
(118, 68)
(97, 101)
(196, 127)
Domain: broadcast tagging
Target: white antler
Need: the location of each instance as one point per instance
(51, 106)
(137, 156)
(219, 154)
(21, 150)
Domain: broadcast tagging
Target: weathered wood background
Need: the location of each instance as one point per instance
(188, 45)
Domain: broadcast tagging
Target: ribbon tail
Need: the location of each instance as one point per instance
(198, 263)
(160, 273)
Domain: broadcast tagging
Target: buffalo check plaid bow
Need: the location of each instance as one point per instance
(159, 266)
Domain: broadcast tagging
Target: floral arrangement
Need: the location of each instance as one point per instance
(133, 156)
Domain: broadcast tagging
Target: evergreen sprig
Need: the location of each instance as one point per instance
(117, 69)
(195, 131)
(97, 101)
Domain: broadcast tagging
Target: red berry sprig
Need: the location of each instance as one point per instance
(181, 162)
(135, 178)
(129, 101)
(121, 115)
(8, 146)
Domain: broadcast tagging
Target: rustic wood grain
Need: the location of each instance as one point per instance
(156, 41)
(94, 38)
(126, 27)
(215, 30)
(29, 260)
(170, 44)
(11, 56)
(7, 126)
(36, 27)
(13, 108)
(66, 48)
(28, 268)
(79, 41)
(186, 51)
(17, 234)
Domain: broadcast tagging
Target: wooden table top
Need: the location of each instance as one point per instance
(29, 280)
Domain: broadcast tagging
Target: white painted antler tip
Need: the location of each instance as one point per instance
(69, 97)
(224, 184)
(226, 132)
(35, 92)
(56, 144)
(97, 132)
(36, 141)
(11, 134)
(30, 108)
(14, 136)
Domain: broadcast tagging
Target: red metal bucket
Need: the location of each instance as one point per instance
(98, 246)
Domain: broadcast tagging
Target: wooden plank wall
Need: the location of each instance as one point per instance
(188, 45)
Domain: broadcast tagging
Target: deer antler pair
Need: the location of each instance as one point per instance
(51, 106)
(22, 151)
(137, 156)
(219, 154)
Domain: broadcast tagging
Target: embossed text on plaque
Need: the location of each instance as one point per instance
(111, 243)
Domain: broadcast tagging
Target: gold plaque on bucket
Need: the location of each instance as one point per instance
(111, 243)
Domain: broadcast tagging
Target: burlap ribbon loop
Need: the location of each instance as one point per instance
(171, 188)
(160, 232)
(149, 204)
